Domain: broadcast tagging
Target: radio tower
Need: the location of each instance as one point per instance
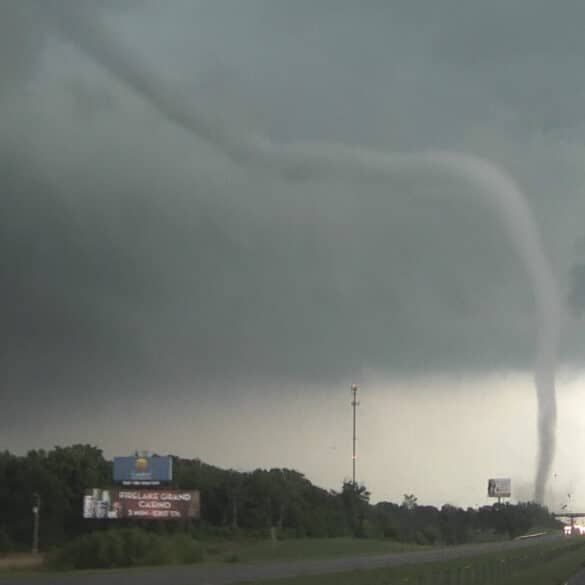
(354, 405)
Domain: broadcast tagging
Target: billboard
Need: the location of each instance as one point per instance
(500, 487)
(143, 470)
(141, 504)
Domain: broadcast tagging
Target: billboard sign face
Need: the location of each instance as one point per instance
(98, 504)
(500, 487)
(143, 470)
(141, 504)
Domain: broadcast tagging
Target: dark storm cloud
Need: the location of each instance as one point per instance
(472, 61)
(520, 53)
(24, 32)
(21, 40)
(132, 253)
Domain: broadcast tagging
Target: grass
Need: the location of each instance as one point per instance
(20, 562)
(553, 573)
(518, 567)
(538, 565)
(255, 551)
(304, 549)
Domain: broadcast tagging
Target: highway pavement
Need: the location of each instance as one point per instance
(237, 573)
(578, 579)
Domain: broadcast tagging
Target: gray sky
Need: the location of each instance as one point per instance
(157, 295)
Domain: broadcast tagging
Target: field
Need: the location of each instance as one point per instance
(254, 551)
(545, 565)
(301, 549)
(20, 562)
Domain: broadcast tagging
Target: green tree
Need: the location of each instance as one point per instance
(410, 501)
(356, 500)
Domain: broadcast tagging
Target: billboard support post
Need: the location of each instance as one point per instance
(36, 521)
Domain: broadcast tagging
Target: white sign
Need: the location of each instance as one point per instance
(500, 487)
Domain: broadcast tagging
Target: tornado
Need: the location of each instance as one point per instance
(314, 161)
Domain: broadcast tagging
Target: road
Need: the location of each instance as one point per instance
(230, 574)
(578, 579)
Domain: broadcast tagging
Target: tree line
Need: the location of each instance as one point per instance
(233, 503)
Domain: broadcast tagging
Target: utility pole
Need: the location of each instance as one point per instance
(354, 404)
(36, 517)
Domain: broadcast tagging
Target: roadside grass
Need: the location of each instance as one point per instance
(556, 572)
(246, 551)
(302, 549)
(21, 563)
(538, 565)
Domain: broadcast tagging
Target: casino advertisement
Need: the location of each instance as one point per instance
(141, 504)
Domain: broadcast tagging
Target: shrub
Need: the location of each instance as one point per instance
(212, 550)
(428, 535)
(186, 550)
(232, 558)
(5, 541)
(216, 533)
(124, 548)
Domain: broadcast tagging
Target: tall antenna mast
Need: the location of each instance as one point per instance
(354, 404)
